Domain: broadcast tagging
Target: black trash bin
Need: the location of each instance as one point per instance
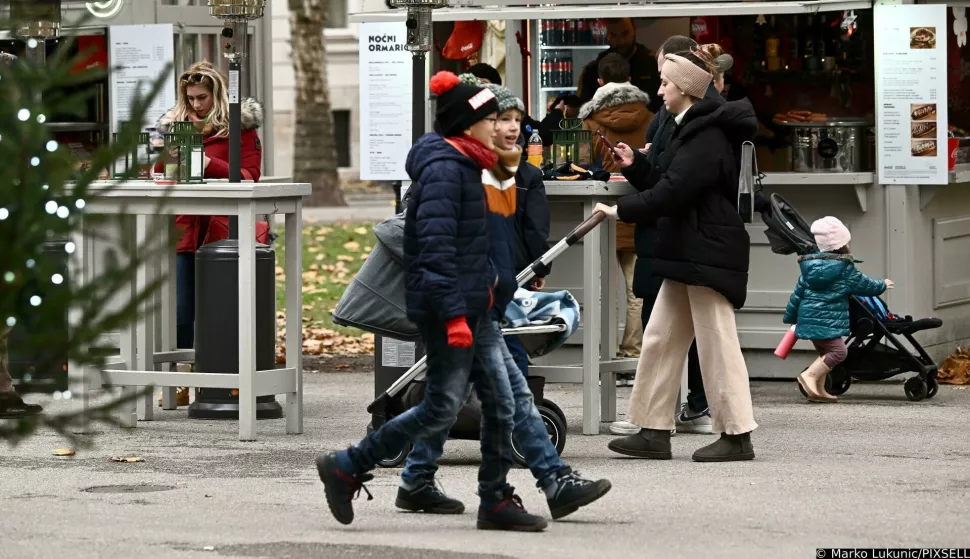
(217, 326)
(41, 371)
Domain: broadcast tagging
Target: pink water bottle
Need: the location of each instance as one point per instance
(787, 342)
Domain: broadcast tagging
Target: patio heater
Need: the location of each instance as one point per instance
(419, 41)
(37, 22)
(217, 264)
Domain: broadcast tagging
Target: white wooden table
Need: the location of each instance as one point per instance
(600, 364)
(148, 350)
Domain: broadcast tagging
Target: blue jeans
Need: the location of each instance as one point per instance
(519, 354)
(185, 300)
(529, 431)
(449, 377)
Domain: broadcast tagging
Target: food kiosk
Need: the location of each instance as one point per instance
(852, 100)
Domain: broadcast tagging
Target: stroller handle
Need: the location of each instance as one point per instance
(585, 227)
(575, 235)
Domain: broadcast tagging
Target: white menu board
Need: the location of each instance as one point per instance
(911, 80)
(137, 57)
(385, 101)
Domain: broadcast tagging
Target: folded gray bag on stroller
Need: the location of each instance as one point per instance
(374, 300)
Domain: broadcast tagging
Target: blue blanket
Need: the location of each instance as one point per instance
(532, 308)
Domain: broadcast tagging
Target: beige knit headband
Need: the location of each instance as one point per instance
(686, 75)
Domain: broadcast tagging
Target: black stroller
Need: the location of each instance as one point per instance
(381, 286)
(874, 351)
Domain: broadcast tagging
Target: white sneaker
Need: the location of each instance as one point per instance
(689, 421)
(627, 428)
(624, 428)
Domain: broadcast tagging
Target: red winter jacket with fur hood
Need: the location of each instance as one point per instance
(200, 230)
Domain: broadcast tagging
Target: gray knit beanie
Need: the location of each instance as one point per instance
(506, 99)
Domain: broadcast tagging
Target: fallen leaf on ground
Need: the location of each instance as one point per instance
(956, 368)
(320, 257)
(364, 256)
(313, 249)
(361, 230)
(345, 258)
(352, 246)
(342, 366)
(63, 452)
(129, 460)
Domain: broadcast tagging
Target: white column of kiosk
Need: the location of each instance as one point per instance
(148, 344)
(914, 232)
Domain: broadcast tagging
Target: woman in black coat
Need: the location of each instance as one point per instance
(701, 254)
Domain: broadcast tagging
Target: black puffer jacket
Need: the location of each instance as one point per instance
(445, 235)
(643, 174)
(701, 239)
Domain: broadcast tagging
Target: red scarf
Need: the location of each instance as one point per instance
(474, 150)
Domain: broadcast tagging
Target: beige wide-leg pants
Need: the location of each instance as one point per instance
(681, 313)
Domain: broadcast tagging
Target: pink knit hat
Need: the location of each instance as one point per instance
(686, 75)
(830, 234)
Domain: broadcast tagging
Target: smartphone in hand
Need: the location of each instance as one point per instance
(609, 144)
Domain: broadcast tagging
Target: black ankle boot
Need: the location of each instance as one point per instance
(648, 443)
(427, 498)
(729, 448)
(508, 514)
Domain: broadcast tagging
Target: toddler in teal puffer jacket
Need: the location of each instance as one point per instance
(819, 307)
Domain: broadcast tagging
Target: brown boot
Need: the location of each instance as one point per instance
(812, 381)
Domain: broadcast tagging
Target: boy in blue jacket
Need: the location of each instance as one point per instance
(565, 490)
(450, 283)
(820, 304)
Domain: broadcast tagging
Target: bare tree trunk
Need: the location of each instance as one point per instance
(314, 150)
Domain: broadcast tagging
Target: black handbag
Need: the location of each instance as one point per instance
(749, 183)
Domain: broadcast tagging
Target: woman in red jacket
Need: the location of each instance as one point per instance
(203, 98)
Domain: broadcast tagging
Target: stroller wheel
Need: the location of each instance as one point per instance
(915, 389)
(552, 406)
(837, 383)
(395, 461)
(557, 435)
(932, 387)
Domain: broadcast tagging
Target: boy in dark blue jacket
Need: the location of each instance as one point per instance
(450, 285)
(566, 491)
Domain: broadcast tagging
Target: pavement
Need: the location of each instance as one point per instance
(874, 470)
(359, 208)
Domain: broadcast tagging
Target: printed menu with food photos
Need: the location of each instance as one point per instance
(911, 90)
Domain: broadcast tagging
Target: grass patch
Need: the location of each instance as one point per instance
(332, 256)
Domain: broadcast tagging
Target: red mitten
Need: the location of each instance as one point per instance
(459, 335)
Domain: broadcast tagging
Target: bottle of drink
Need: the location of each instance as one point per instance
(554, 69)
(544, 70)
(570, 32)
(794, 40)
(534, 153)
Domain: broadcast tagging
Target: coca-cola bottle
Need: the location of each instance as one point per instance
(570, 32)
(544, 71)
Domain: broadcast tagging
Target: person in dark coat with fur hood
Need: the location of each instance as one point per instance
(619, 110)
(203, 99)
(702, 254)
